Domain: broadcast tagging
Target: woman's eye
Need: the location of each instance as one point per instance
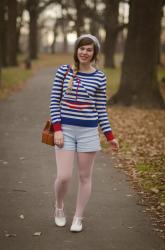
(88, 50)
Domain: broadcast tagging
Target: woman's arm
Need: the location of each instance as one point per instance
(102, 113)
(101, 109)
(56, 95)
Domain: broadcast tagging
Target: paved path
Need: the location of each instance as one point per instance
(113, 220)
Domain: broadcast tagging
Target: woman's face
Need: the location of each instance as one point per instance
(85, 53)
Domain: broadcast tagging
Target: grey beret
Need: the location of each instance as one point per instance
(93, 38)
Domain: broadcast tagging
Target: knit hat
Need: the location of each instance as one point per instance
(93, 38)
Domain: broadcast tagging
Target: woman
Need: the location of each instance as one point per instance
(78, 105)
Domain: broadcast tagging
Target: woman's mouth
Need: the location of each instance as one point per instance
(83, 57)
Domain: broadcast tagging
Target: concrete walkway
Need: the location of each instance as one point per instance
(113, 220)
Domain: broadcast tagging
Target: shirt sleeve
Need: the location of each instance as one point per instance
(101, 109)
(55, 99)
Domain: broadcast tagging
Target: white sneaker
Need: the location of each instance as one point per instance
(76, 224)
(60, 219)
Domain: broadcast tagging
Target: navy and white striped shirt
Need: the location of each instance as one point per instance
(85, 105)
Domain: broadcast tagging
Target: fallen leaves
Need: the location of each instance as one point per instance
(155, 190)
(141, 136)
(5, 162)
(10, 235)
(37, 234)
(22, 217)
(21, 158)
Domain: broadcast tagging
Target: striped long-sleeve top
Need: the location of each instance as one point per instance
(85, 105)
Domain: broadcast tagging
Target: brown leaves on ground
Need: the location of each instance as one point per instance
(141, 136)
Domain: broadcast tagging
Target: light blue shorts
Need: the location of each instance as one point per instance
(80, 139)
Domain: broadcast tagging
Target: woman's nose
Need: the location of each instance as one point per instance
(85, 52)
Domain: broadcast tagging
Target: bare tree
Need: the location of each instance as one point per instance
(2, 4)
(139, 83)
(80, 16)
(54, 37)
(3, 31)
(108, 19)
(20, 9)
(35, 7)
(12, 32)
(32, 7)
(111, 25)
(94, 25)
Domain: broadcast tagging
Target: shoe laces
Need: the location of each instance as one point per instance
(77, 220)
(59, 212)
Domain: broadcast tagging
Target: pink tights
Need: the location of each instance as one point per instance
(64, 160)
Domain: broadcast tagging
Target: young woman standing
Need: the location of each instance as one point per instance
(78, 106)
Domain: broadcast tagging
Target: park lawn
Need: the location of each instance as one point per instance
(141, 136)
(113, 79)
(13, 78)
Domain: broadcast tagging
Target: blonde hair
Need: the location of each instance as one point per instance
(70, 82)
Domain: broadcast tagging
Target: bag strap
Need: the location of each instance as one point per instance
(49, 124)
(65, 75)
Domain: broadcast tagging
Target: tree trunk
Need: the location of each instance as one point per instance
(20, 9)
(54, 37)
(80, 17)
(111, 29)
(64, 32)
(94, 26)
(3, 35)
(33, 37)
(53, 43)
(33, 46)
(12, 33)
(0, 66)
(139, 85)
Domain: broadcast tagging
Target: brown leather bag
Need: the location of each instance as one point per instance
(48, 134)
(48, 131)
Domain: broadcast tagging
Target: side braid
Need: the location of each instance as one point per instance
(70, 82)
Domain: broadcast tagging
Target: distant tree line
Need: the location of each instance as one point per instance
(138, 83)
(73, 11)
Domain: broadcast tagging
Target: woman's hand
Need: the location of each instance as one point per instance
(114, 145)
(59, 139)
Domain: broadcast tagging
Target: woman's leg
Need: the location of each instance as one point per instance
(64, 160)
(85, 166)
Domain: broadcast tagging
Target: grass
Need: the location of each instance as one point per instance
(13, 78)
(113, 79)
(143, 168)
(151, 179)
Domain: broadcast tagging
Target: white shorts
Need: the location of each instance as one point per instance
(80, 139)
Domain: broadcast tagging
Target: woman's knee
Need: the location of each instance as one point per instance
(84, 179)
(63, 179)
